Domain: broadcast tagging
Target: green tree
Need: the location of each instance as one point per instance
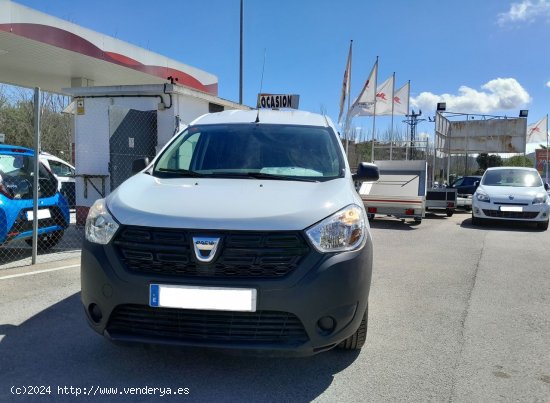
(482, 161)
(518, 161)
(17, 121)
(494, 161)
(363, 151)
(485, 161)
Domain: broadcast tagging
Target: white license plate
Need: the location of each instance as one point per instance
(208, 298)
(517, 209)
(44, 213)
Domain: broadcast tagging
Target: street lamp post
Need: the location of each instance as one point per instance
(241, 58)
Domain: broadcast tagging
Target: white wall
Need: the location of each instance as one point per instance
(187, 108)
(92, 142)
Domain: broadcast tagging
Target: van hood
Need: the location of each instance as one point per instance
(228, 204)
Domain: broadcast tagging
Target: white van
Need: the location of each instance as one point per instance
(246, 231)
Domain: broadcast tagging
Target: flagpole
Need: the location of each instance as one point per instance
(346, 93)
(374, 115)
(408, 104)
(546, 148)
(349, 96)
(392, 105)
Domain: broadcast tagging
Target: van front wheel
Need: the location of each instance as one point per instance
(357, 340)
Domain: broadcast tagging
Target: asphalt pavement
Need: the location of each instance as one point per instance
(457, 313)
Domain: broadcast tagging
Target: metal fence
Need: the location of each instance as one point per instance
(442, 168)
(36, 222)
(395, 150)
(43, 206)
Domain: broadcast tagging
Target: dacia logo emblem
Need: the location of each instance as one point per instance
(205, 248)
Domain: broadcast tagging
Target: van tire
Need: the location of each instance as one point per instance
(357, 340)
(449, 212)
(48, 240)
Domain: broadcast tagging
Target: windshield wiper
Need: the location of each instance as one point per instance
(181, 172)
(261, 175)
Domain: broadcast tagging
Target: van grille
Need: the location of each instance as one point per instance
(243, 254)
(262, 327)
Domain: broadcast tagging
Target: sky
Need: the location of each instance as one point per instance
(485, 57)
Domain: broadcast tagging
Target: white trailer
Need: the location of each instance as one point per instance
(399, 192)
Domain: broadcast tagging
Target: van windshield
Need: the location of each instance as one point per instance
(287, 152)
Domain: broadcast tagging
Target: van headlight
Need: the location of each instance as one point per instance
(540, 198)
(100, 224)
(345, 230)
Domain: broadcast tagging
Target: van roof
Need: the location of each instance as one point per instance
(268, 116)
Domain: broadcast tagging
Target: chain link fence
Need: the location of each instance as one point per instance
(43, 207)
(37, 211)
(396, 150)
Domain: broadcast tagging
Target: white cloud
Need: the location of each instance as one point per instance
(548, 84)
(525, 11)
(497, 95)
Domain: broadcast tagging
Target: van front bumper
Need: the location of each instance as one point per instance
(310, 310)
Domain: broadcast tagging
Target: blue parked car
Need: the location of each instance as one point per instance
(16, 200)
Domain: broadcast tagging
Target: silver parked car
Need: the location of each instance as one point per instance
(511, 193)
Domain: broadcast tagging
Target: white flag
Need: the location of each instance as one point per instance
(345, 84)
(538, 131)
(364, 104)
(384, 97)
(401, 100)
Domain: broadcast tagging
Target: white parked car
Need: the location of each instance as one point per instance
(511, 193)
(64, 172)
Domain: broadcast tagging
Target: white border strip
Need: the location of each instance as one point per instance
(38, 272)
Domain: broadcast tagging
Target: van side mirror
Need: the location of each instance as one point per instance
(546, 186)
(139, 165)
(366, 172)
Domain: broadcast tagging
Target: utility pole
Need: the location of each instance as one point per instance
(412, 120)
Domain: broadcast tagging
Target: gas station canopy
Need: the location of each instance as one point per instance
(38, 50)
